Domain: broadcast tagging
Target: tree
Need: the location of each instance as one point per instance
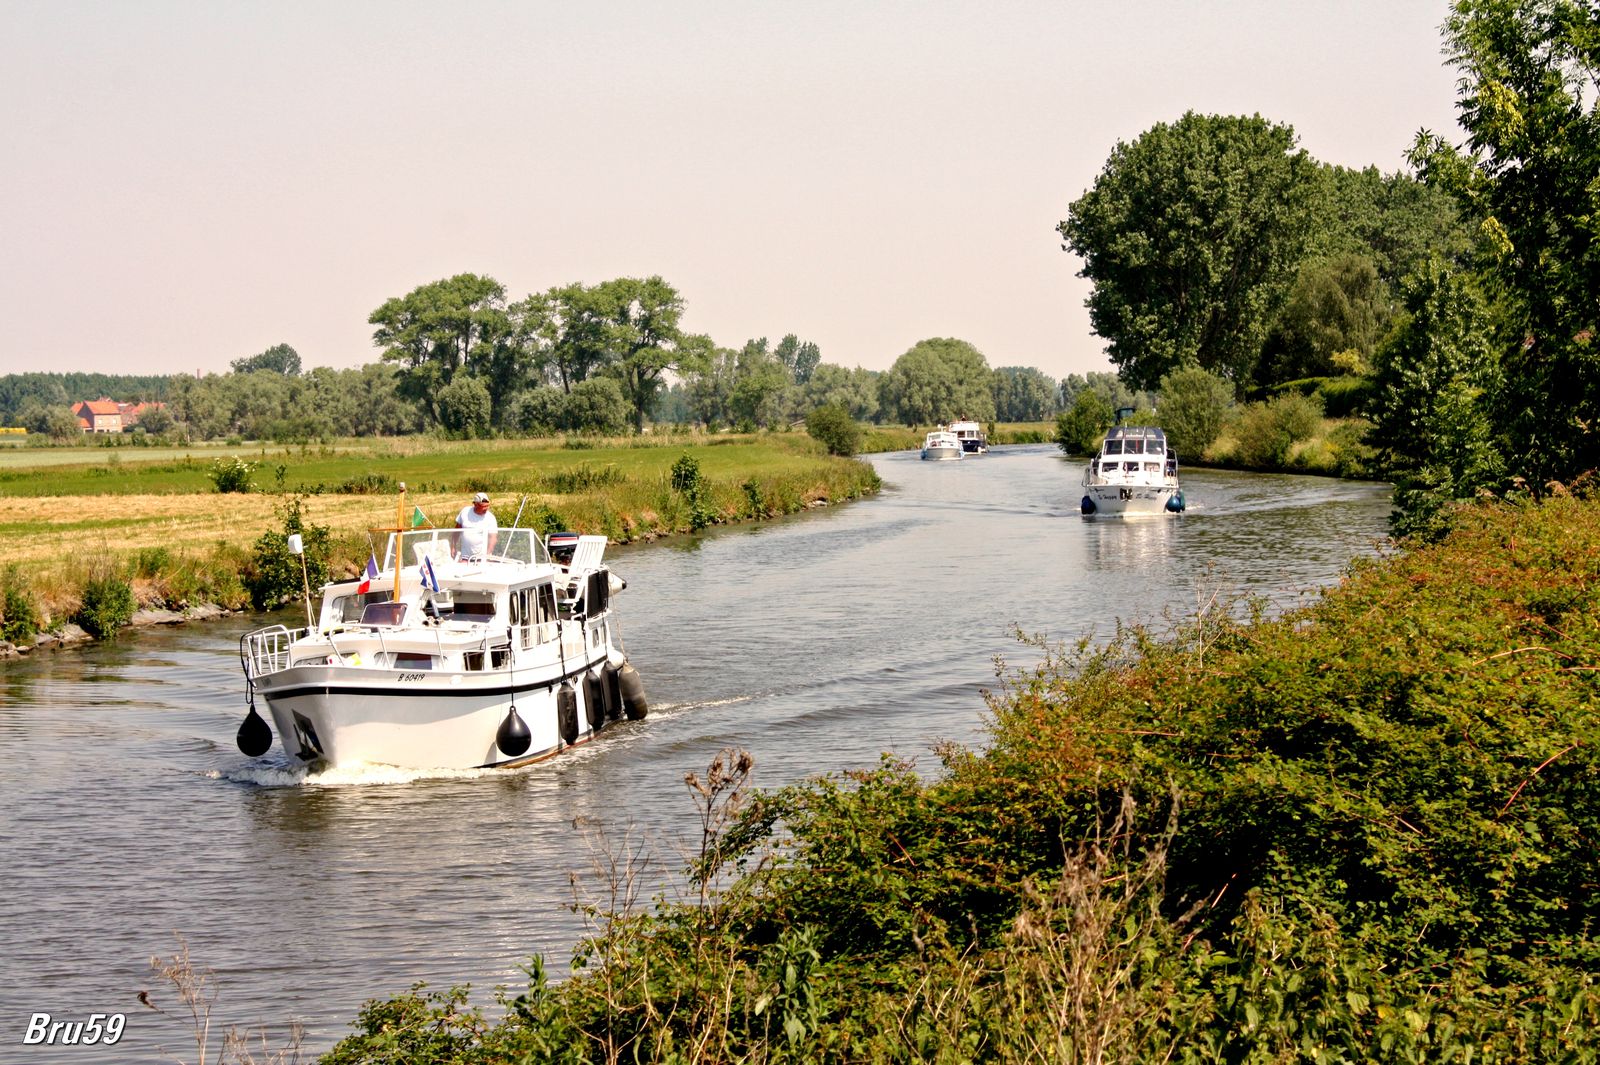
(279, 359)
(938, 380)
(1336, 305)
(1191, 236)
(446, 327)
(629, 329)
(538, 411)
(1432, 424)
(759, 382)
(1193, 408)
(833, 427)
(1109, 385)
(856, 390)
(56, 422)
(465, 406)
(157, 421)
(596, 406)
(1023, 394)
(800, 359)
(1079, 430)
(1528, 103)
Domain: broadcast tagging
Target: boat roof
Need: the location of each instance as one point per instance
(1135, 432)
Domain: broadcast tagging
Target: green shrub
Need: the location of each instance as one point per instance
(1080, 430)
(369, 484)
(273, 575)
(19, 620)
(1194, 406)
(1264, 433)
(232, 474)
(832, 426)
(688, 482)
(107, 604)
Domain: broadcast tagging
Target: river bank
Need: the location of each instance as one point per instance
(179, 544)
(1364, 828)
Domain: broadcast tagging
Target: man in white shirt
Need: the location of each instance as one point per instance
(479, 530)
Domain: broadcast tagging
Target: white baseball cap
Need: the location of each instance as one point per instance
(481, 497)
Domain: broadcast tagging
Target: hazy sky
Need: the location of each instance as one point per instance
(187, 183)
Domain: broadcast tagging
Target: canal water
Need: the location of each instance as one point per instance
(816, 643)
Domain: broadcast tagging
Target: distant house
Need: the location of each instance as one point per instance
(99, 415)
(132, 412)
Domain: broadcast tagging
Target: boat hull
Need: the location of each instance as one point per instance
(941, 454)
(341, 715)
(1129, 500)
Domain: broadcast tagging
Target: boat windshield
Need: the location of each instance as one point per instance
(511, 545)
(1113, 447)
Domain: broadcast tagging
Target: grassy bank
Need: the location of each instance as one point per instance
(1365, 831)
(162, 525)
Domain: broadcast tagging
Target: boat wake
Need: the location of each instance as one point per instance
(354, 775)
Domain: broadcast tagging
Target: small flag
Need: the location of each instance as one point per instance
(372, 572)
(417, 517)
(430, 580)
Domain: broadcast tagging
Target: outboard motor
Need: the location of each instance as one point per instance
(561, 545)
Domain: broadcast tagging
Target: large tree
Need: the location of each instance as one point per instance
(1191, 236)
(443, 328)
(280, 358)
(1529, 174)
(938, 380)
(638, 324)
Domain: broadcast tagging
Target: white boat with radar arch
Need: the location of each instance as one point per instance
(442, 661)
(1135, 474)
(974, 441)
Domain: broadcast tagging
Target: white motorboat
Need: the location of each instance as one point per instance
(1134, 474)
(940, 445)
(434, 661)
(974, 441)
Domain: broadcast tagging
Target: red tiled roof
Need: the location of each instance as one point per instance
(98, 406)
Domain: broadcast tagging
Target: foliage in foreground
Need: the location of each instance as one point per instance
(1361, 832)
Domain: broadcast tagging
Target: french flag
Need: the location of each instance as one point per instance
(372, 572)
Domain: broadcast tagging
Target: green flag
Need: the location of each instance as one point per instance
(417, 517)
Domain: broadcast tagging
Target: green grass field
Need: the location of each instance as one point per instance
(161, 520)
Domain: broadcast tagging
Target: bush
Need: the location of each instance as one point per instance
(688, 482)
(464, 406)
(1265, 432)
(107, 604)
(19, 621)
(1194, 406)
(832, 426)
(232, 475)
(273, 575)
(1080, 430)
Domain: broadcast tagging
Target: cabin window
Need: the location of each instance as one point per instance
(474, 607)
(349, 608)
(412, 660)
(383, 614)
(547, 603)
(516, 610)
(1130, 467)
(1152, 467)
(1113, 447)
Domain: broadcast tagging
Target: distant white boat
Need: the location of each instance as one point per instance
(973, 439)
(1134, 474)
(941, 445)
(435, 660)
